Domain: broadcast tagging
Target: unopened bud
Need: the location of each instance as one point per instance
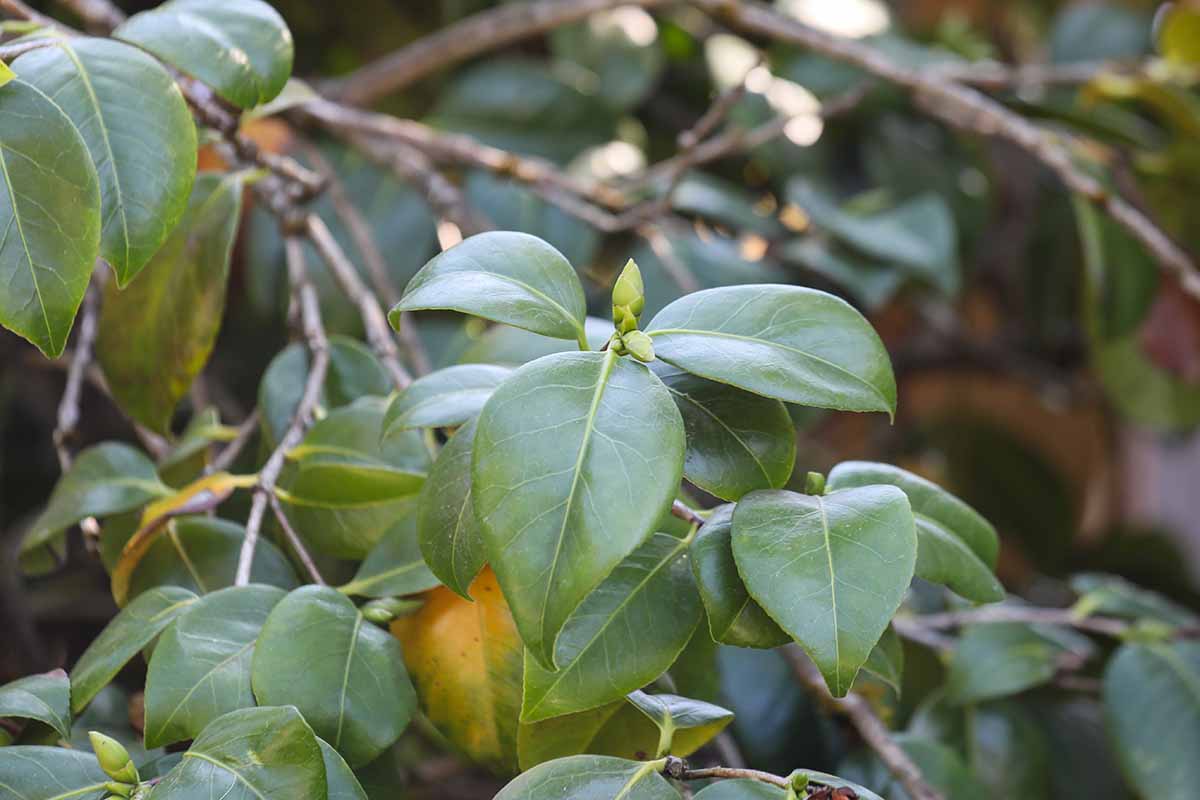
(386, 609)
(113, 757)
(814, 483)
(628, 297)
(119, 789)
(639, 345)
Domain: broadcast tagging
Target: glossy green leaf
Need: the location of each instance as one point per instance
(996, 660)
(651, 590)
(955, 545)
(347, 487)
(49, 773)
(736, 441)
(353, 372)
(201, 554)
(1152, 702)
(45, 698)
(144, 152)
(787, 342)
(886, 661)
(733, 616)
(241, 48)
(201, 666)
(157, 333)
(106, 479)
(250, 754)
(503, 276)
(670, 713)
(444, 399)
(339, 778)
(394, 566)
(137, 624)
(1115, 596)
(51, 211)
(1008, 752)
(576, 457)
(344, 674)
(450, 536)
(590, 778)
(831, 570)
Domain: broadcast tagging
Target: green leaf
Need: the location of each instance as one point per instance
(941, 766)
(339, 778)
(1009, 752)
(250, 754)
(1152, 702)
(506, 277)
(919, 235)
(741, 789)
(1115, 596)
(733, 616)
(651, 590)
(144, 152)
(201, 554)
(201, 666)
(156, 334)
(671, 713)
(347, 677)
(45, 698)
(616, 48)
(831, 570)
(449, 534)
(241, 48)
(886, 661)
(995, 660)
(347, 487)
(956, 546)
(106, 479)
(394, 566)
(512, 347)
(131, 630)
(590, 778)
(444, 399)
(51, 211)
(512, 205)
(787, 342)
(736, 441)
(353, 373)
(50, 773)
(576, 457)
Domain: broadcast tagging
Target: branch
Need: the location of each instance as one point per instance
(965, 109)
(677, 768)
(364, 240)
(296, 542)
(81, 357)
(686, 513)
(245, 432)
(379, 334)
(869, 726)
(305, 297)
(473, 36)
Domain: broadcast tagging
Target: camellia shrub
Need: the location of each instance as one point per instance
(532, 557)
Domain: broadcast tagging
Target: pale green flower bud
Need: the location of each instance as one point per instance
(639, 345)
(628, 297)
(114, 758)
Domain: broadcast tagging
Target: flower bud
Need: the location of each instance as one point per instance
(814, 483)
(386, 609)
(628, 297)
(639, 345)
(118, 789)
(113, 757)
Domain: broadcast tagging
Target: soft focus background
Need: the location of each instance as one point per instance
(1059, 397)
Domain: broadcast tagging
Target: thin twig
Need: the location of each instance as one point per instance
(379, 334)
(364, 240)
(471, 37)
(983, 615)
(296, 542)
(81, 357)
(305, 296)
(872, 730)
(686, 513)
(734, 773)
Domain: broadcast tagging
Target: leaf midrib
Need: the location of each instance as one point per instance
(606, 368)
(789, 348)
(837, 637)
(337, 739)
(758, 462)
(240, 777)
(37, 288)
